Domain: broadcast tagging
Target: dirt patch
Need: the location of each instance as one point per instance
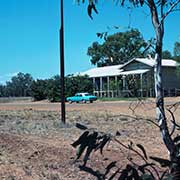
(35, 145)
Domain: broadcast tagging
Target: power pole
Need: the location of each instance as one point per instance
(61, 34)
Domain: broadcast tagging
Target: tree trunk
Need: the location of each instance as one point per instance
(160, 111)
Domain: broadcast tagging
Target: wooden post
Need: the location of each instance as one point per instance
(101, 86)
(63, 116)
(108, 85)
(124, 82)
(141, 85)
(94, 84)
(116, 82)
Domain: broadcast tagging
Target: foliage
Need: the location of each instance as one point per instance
(166, 55)
(2, 90)
(54, 89)
(50, 89)
(177, 56)
(19, 86)
(145, 168)
(74, 84)
(23, 85)
(117, 48)
(177, 51)
(39, 91)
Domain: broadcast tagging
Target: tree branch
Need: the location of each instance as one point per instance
(170, 10)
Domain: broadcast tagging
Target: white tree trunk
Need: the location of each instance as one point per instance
(160, 112)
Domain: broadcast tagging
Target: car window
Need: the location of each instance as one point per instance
(87, 94)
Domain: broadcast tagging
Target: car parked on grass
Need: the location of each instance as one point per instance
(81, 97)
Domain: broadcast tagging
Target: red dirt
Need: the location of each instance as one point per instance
(33, 146)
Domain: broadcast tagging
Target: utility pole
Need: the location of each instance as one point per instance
(61, 34)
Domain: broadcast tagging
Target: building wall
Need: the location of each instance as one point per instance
(170, 78)
(136, 65)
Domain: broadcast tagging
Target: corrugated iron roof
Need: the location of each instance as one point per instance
(151, 62)
(138, 71)
(103, 71)
(116, 70)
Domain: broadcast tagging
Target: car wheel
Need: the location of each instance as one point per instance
(84, 101)
(91, 101)
(70, 102)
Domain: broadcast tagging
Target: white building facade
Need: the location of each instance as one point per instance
(134, 78)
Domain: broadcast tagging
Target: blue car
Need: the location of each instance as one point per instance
(82, 97)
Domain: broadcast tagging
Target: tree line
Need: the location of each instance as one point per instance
(116, 49)
(24, 85)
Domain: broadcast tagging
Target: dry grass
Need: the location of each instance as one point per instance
(35, 145)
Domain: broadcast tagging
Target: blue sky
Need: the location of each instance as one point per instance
(29, 34)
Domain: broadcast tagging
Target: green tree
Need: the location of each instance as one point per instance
(177, 51)
(39, 91)
(20, 85)
(117, 48)
(76, 84)
(2, 90)
(54, 89)
(177, 56)
(166, 55)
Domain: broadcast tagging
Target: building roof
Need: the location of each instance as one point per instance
(116, 70)
(138, 71)
(151, 62)
(103, 71)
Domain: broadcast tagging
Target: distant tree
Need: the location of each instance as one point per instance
(78, 83)
(54, 89)
(2, 90)
(166, 55)
(20, 85)
(177, 56)
(177, 51)
(39, 89)
(117, 48)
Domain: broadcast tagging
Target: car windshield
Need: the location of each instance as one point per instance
(87, 94)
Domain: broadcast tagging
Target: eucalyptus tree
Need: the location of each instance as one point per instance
(159, 10)
(117, 48)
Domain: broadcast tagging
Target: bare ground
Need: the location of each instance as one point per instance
(35, 145)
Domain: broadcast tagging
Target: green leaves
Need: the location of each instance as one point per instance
(91, 8)
(80, 126)
(104, 140)
(143, 150)
(161, 161)
(74, 84)
(89, 141)
(129, 173)
(117, 48)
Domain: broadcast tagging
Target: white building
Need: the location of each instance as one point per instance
(134, 78)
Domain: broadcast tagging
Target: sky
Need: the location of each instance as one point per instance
(29, 34)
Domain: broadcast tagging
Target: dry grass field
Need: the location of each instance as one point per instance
(35, 145)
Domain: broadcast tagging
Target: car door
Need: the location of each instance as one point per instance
(78, 97)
